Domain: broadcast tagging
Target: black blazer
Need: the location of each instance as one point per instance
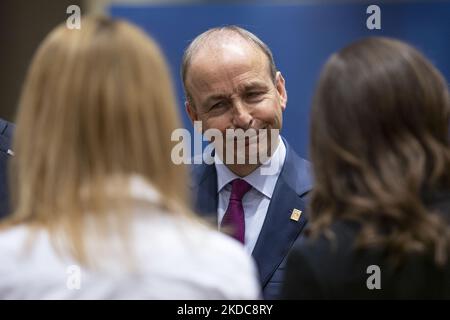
(315, 270)
(6, 131)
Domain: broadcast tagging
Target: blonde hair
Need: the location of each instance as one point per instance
(97, 103)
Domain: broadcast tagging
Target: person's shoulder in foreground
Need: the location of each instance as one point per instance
(334, 269)
(213, 265)
(102, 210)
(172, 258)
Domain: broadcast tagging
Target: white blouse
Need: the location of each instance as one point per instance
(172, 258)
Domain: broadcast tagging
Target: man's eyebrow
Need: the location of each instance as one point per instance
(253, 85)
(215, 97)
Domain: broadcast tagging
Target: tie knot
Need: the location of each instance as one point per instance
(239, 188)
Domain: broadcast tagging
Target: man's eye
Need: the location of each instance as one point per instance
(217, 105)
(252, 95)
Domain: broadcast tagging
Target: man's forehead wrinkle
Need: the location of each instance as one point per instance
(208, 77)
(225, 63)
(227, 79)
(227, 59)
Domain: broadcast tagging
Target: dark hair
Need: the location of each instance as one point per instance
(379, 142)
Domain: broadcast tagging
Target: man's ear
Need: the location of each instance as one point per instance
(191, 111)
(281, 89)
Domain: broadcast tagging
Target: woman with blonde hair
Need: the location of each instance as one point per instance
(100, 209)
(380, 207)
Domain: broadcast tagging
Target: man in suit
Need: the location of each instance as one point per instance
(231, 82)
(6, 130)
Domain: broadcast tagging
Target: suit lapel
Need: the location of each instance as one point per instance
(205, 192)
(279, 231)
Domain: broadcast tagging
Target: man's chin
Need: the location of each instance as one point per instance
(251, 149)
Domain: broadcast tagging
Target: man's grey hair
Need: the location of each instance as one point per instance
(201, 39)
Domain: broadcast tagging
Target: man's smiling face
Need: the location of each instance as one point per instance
(231, 87)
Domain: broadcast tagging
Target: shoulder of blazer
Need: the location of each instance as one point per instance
(6, 128)
(6, 133)
(296, 172)
(199, 172)
(325, 254)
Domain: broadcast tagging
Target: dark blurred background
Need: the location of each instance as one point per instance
(301, 33)
(23, 25)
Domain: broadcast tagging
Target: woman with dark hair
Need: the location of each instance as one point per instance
(380, 208)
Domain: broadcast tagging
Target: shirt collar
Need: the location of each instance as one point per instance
(258, 179)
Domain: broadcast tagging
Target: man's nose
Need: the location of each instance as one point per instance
(241, 117)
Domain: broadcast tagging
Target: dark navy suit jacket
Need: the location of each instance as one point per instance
(6, 131)
(279, 231)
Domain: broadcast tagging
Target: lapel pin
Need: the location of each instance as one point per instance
(296, 214)
(10, 152)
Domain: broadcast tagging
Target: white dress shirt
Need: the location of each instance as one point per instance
(176, 258)
(256, 201)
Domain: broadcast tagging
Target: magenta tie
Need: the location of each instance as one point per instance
(234, 218)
